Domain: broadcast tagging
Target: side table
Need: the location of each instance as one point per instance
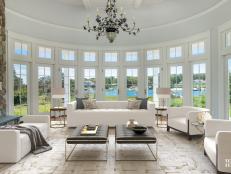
(159, 115)
(58, 114)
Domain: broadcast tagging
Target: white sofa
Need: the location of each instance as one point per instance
(109, 113)
(14, 146)
(181, 119)
(217, 144)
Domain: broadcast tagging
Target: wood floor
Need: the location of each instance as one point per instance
(176, 155)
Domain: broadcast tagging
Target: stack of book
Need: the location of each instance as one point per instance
(89, 130)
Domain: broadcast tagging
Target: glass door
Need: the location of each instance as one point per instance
(111, 87)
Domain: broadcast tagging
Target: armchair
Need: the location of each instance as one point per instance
(217, 144)
(181, 119)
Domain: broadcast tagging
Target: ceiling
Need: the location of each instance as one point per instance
(159, 20)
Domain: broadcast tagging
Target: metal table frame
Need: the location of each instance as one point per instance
(76, 142)
(155, 156)
(143, 141)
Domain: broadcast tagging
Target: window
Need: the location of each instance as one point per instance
(132, 83)
(131, 56)
(44, 52)
(199, 85)
(110, 57)
(44, 88)
(228, 39)
(68, 55)
(111, 84)
(153, 82)
(20, 89)
(198, 48)
(90, 83)
(176, 85)
(89, 56)
(175, 52)
(21, 49)
(229, 87)
(153, 54)
(68, 83)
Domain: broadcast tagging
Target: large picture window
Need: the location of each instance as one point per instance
(44, 88)
(228, 39)
(21, 49)
(229, 88)
(153, 54)
(198, 48)
(176, 85)
(131, 56)
(199, 85)
(90, 83)
(89, 56)
(132, 83)
(68, 55)
(68, 83)
(111, 84)
(44, 53)
(153, 82)
(20, 89)
(110, 57)
(175, 52)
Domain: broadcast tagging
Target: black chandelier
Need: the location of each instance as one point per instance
(112, 23)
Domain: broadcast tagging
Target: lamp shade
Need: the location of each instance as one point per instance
(163, 92)
(58, 93)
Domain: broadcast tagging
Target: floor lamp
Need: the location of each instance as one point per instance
(163, 94)
(58, 94)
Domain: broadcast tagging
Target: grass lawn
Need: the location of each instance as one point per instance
(176, 101)
(20, 110)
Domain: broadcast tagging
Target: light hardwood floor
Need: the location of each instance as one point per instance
(176, 155)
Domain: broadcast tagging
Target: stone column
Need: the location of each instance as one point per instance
(2, 59)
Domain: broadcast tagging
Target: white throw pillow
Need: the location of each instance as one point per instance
(89, 104)
(134, 104)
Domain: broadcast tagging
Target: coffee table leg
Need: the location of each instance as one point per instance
(67, 157)
(154, 156)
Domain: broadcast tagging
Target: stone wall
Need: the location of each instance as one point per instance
(2, 58)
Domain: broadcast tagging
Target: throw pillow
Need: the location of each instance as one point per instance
(90, 104)
(144, 102)
(135, 104)
(79, 103)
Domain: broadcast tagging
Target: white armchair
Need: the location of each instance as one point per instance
(181, 119)
(217, 144)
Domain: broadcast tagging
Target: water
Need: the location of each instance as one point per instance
(133, 93)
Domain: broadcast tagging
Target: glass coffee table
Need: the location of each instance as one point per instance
(76, 138)
(124, 135)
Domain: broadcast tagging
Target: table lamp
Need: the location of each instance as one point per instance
(163, 93)
(58, 93)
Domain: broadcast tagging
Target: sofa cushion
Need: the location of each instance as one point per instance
(79, 103)
(134, 104)
(144, 102)
(89, 104)
(178, 123)
(210, 148)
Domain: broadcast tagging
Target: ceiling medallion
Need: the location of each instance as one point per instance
(112, 24)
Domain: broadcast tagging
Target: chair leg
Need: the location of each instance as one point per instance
(205, 153)
(189, 137)
(168, 128)
(218, 172)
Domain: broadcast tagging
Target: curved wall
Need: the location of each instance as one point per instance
(186, 61)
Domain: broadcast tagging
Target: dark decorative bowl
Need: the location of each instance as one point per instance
(139, 129)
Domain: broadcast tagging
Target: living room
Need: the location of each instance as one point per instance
(115, 86)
